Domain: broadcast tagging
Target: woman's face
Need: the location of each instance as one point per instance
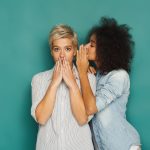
(63, 48)
(91, 48)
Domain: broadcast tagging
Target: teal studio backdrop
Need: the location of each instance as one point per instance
(24, 51)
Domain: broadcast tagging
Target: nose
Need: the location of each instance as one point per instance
(87, 45)
(62, 55)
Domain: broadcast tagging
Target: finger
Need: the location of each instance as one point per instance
(68, 65)
(93, 70)
(90, 69)
(63, 67)
(64, 64)
(80, 52)
(77, 55)
(60, 62)
(56, 66)
(84, 52)
(59, 65)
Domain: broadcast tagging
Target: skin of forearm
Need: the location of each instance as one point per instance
(45, 108)
(88, 97)
(77, 105)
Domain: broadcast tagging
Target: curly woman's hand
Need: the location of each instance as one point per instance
(91, 70)
(82, 60)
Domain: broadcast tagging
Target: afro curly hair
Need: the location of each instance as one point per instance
(114, 45)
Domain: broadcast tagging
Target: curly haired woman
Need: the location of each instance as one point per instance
(110, 47)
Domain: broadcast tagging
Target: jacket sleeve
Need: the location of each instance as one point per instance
(116, 85)
(92, 81)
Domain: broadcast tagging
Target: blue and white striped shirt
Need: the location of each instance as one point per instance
(61, 132)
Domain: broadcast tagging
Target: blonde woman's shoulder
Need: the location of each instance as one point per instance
(44, 75)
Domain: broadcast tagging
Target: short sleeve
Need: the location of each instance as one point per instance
(37, 93)
(116, 84)
(92, 81)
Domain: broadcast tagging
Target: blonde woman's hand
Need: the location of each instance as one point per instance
(57, 73)
(67, 74)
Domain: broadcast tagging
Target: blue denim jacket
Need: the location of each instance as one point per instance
(111, 129)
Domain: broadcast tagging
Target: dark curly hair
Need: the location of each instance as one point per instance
(114, 45)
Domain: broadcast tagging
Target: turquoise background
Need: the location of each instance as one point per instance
(24, 29)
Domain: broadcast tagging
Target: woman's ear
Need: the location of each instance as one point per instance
(75, 52)
(51, 53)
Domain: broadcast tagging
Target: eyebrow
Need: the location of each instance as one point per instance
(92, 41)
(65, 46)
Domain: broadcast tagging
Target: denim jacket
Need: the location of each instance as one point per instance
(111, 129)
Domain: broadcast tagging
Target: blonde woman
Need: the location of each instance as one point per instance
(57, 103)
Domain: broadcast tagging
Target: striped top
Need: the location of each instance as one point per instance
(61, 132)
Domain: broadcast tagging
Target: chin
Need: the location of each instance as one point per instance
(91, 59)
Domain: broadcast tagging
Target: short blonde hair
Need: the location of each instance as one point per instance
(63, 31)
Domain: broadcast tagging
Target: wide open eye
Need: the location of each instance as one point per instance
(55, 49)
(68, 48)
